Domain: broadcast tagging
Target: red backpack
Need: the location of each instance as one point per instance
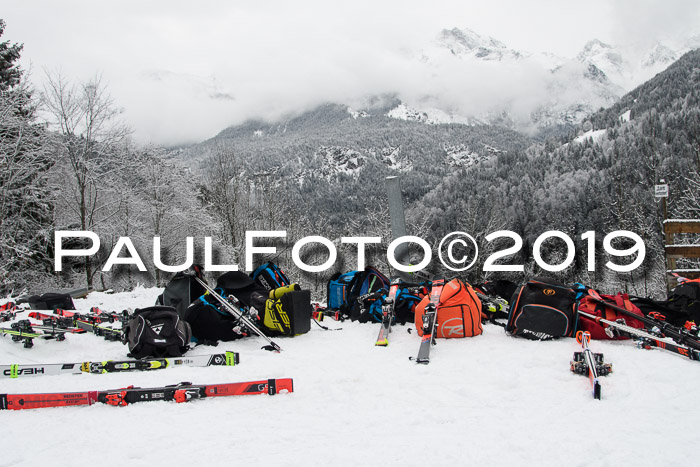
(458, 314)
(593, 307)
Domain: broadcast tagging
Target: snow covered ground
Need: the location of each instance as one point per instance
(487, 400)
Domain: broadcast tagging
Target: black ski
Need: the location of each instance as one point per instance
(388, 314)
(430, 322)
(110, 334)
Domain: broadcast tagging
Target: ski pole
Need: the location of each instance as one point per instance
(238, 314)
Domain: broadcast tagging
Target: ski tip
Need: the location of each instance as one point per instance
(596, 390)
(382, 343)
(594, 294)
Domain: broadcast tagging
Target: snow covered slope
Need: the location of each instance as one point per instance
(487, 400)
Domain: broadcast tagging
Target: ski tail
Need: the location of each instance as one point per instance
(38, 401)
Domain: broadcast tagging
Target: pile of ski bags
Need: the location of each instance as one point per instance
(284, 310)
(359, 295)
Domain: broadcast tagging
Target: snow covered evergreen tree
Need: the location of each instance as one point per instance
(26, 213)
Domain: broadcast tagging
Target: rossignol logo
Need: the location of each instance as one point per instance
(549, 292)
(453, 330)
(539, 335)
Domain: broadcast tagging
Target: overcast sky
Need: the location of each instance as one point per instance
(184, 70)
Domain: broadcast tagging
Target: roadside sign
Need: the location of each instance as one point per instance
(661, 191)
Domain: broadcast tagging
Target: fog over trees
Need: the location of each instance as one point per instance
(68, 163)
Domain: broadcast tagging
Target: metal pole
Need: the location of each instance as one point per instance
(398, 223)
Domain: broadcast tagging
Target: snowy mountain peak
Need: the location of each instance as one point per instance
(595, 46)
(598, 52)
(605, 63)
(659, 54)
(467, 42)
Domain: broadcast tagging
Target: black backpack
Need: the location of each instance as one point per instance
(51, 301)
(542, 309)
(157, 331)
(181, 291)
(209, 322)
(686, 299)
(683, 304)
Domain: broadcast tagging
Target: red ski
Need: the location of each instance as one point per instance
(182, 392)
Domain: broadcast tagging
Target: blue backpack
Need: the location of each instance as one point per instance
(345, 289)
(405, 304)
(270, 276)
(338, 288)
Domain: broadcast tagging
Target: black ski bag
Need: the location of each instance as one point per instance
(51, 301)
(210, 321)
(182, 290)
(157, 331)
(542, 309)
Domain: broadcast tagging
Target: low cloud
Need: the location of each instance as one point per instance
(185, 71)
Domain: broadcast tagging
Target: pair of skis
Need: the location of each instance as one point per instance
(235, 309)
(111, 366)
(589, 363)
(182, 392)
(429, 327)
(645, 339)
(656, 325)
(23, 331)
(82, 322)
(388, 314)
(430, 323)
